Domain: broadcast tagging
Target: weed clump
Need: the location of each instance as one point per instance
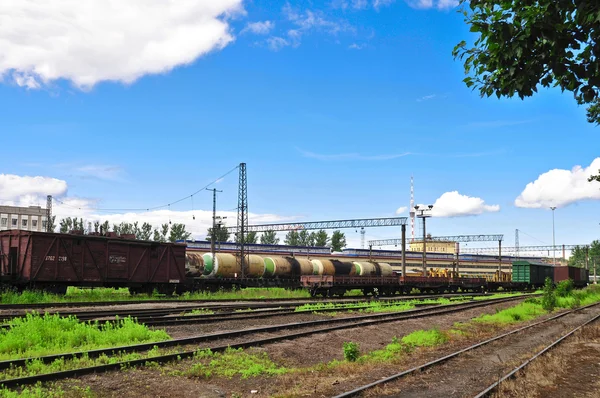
(425, 338)
(37, 335)
(233, 362)
(548, 297)
(564, 288)
(351, 351)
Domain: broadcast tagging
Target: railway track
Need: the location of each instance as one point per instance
(358, 391)
(319, 326)
(205, 301)
(492, 388)
(155, 314)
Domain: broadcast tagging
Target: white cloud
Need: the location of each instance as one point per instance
(560, 187)
(101, 172)
(439, 4)
(86, 42)
(29, 191)
(356, 46)
(276, 43)
(497, 123)
(354, 4)
(401, 210)
(307, 21)
(259, 28)
(426, 98)
(446, 4)
(352, 156)
(382, 3)
(453, 204)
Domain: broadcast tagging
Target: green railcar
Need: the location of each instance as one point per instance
(531, 273)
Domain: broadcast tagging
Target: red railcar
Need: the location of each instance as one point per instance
(55, 261)
(579, 276)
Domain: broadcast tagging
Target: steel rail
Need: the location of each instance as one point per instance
(157, 312)
(163, 301)
(445, 358)
(259, 314)
(218, 302)
(488, 391)
(348, 324)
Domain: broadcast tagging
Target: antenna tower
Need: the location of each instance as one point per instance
(242, 221)
(412, 209)
(49, 213)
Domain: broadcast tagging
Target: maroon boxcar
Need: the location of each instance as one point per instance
(579, 276)
(54, 261)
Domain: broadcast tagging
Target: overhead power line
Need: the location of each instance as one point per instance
(521, 249)
(335, 224)
(456, 238)
(167, 205)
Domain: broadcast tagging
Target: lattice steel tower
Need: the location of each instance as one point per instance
(242, 221)
(49, 213)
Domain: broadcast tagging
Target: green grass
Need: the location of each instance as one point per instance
(234, 362)
(519, 313)
(497, 296)
(375, 306)
(75, 294)
(425, 338)
(37, 367)
(198, 311)
(532, 307)
(38, 391)
(37, 335)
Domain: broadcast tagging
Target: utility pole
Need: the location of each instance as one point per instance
(422, 214)
(553, 244)
(214, 227)
(403, 250)
(500, 257)
(517, 244)
(424, 249)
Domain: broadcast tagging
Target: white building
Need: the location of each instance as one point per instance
(32, 218)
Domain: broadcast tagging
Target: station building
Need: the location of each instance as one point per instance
(32, 218)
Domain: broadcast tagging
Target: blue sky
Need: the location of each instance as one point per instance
(333, 106)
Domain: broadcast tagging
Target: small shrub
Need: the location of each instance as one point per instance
(549, 298)
(425, 338)
(351, 351)
(564, 288)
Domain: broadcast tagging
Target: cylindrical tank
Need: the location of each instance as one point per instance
(364, 268)
(256, 266)
(322, 267)
(386, 269)
(343, 267)
(277, 266)
(194, 264)
(300, 266)
(224, 266)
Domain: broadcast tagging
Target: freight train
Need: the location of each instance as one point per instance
(52, 261)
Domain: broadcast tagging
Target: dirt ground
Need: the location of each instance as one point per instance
(300, 353)
(571, 370)
(473, 371)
